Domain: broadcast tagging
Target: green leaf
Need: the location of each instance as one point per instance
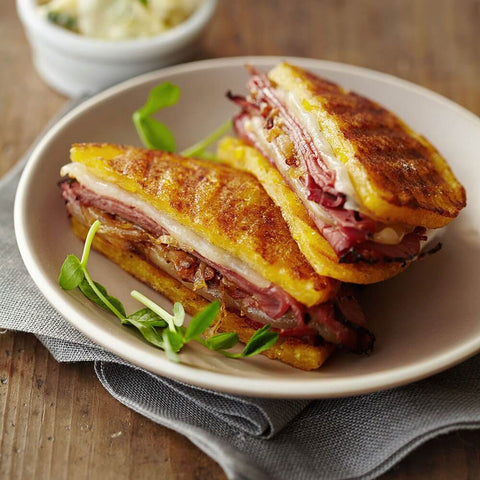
(71, 273)
(88, 291)
(200, 322)
(148, 332)
(154, 134)
(164, 95)
(222, 341)
(178, 314)
(147, 317)
(171, 342)
(176, 340)
(261, 340)
(117, 304)
(162, 313)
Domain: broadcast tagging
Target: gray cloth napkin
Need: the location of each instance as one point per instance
(251, 438)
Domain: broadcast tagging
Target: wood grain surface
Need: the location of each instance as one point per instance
(57, 421)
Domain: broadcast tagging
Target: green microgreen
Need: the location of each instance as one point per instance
(200, 322)
(260, 341)
(162, 313)
(153, 133)
(155, 324)
(149, 333)
(157, 135)
(222, 341)
(74, 273)
(146, 317)
(146, 322)
(71, 273)
(169, 337)
(88, 291)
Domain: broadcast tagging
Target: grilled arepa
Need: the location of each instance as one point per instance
(210, 231)
(397, 174)
(369, 183)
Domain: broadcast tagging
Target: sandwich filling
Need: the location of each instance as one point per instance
(275, 122)
(130, 224)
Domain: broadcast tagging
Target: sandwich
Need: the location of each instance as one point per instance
(197, 231)
(361, 192)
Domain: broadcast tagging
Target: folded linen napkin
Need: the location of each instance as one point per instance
(251, 438)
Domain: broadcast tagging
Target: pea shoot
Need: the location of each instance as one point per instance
(157, 135)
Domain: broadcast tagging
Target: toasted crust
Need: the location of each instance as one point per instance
(398, 175)
(292, 351)
(229, 208)
(312, 244)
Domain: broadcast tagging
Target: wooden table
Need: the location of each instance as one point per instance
(57, 421)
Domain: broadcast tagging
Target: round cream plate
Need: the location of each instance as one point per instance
(425, 320)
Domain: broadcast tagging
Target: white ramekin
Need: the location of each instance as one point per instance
(78, 65)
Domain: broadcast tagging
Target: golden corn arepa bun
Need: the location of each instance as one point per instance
(398, 174)
(227, 207)
(311, 242)
(290, 350)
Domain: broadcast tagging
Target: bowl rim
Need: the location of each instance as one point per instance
(66, 40)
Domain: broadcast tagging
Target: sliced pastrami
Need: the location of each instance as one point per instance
(72, 191)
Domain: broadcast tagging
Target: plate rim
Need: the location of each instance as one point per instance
(273, 388)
